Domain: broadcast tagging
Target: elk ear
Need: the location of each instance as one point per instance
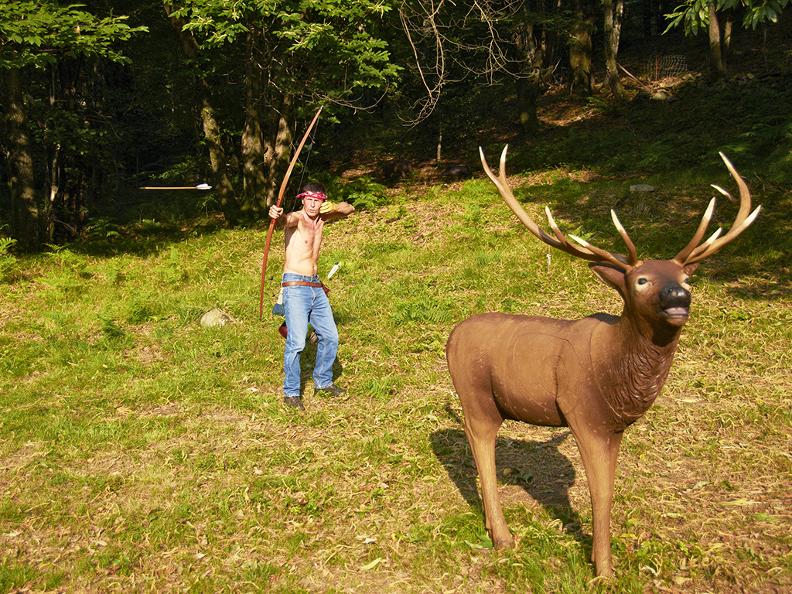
(610, 275)
(690, 268)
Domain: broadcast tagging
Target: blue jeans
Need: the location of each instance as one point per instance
(303, 306)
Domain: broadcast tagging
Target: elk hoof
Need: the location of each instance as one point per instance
(506, 542)
(604, 570)
(603, 566)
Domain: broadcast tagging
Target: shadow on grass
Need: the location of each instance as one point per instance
(145, 237)
(538, 467)
(140, 227)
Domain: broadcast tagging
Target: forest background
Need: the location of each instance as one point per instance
(142, 451)
(103, 97)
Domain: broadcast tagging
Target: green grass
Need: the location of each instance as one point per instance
(139, 451)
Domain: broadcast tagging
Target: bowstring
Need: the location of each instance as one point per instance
(305, 165)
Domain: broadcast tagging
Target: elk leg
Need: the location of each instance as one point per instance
(599, 453)
(481, 434)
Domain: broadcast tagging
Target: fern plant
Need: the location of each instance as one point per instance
(8, 261)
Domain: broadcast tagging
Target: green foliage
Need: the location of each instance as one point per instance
(693, 15)
(111, 329)
(39, 33)
(364, 193)
(8, 261)
(383, 388)
(67, 260)
(765, 11)
(336, 42)
(62, 120)
(655, 138)
(102, 228)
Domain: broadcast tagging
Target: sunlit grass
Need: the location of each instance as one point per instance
(141, 451)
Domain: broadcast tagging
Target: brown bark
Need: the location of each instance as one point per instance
(217, 162)
(26, 199)
(717, 66)
(727, 37)
(580, 48)
(55, 165)
(212, 132)
(278, 151)
(527, 85)
(252, 144)
(527, 95)
(614, 9)
(64, 194)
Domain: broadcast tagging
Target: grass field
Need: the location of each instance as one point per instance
(140, 451)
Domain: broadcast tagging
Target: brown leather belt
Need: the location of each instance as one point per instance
(301, 284)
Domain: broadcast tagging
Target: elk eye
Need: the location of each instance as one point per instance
(642, 280)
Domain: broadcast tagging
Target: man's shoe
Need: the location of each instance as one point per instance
(331, 390)
(293, 402)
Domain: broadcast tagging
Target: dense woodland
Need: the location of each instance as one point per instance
(103, 97)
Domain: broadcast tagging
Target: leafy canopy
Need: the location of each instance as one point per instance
(331, 43)
(39, 33)
(693, 15)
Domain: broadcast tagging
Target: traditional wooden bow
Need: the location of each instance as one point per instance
(281, 192)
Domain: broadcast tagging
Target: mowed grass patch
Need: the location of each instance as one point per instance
(141, 451)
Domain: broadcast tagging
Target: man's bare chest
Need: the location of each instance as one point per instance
(303, 237)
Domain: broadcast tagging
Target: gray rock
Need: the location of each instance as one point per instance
(215, 317)
(642, 188)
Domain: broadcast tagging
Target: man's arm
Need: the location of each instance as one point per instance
(282, 219)
(334, 211)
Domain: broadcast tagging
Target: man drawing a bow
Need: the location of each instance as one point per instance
(304, 298)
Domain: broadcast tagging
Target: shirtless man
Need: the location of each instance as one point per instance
(304, 300)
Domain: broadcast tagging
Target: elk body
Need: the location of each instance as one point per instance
(596, 375)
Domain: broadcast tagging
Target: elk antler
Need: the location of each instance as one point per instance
(586, 251)
(693, 252)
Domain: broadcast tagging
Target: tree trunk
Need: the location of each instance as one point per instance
(647, 11)
(212, 133)
(102, 180)
(65, 191)
(527, 95)
(279, 150)
(727, 38)
(252, 146)
(55, 167)
(580, 49)
(530, 56)
(439, 146)
(217, 162)
(26, 222)
(717, 67)
(614, 9)
(659, 16)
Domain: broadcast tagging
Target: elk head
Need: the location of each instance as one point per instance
(655, 292)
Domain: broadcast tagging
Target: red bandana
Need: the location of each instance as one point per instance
(321, 196)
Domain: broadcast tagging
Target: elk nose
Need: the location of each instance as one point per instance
(675, 295)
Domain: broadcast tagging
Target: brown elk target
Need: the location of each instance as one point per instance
(596, 375)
